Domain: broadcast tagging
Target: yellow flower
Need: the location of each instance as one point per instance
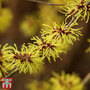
(28, 59)
(58, 82)
(66, 82)
(77, 8)
(49, 47)
(38, 85)
(29, 25)
(4, 51)
(53, 15)
(5, 19)
(63, 33)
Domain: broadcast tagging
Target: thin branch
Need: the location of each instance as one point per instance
(42, 2)
(86, 79)
(72, 20)
(74, 17)
(88, 3)
(14, 71)
(0, 4)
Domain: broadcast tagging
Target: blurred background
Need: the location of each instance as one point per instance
(21, 19)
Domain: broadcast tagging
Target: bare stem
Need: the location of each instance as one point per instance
(86, 79)
(42, 2)
(72, 20)
(88, 3)
(0, 4)
(11, 73)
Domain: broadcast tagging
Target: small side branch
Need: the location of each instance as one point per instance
(42, 2)
(86, 79)
(11, 73)
(0, 4)
(72, 20)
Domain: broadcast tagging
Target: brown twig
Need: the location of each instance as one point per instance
(11, 73)
(42, 2)
(86, 79)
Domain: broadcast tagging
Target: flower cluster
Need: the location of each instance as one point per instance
(66, 82)
(38, 85)
(28, 59)
(5, 19)
(53, 15)
(48, 47)
(58, 82)
(55, 39)
(78, 8)
(29, 25)
(64, 32)
(4, 51)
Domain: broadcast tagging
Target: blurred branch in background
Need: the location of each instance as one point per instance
(43, 2)
(86, 79)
